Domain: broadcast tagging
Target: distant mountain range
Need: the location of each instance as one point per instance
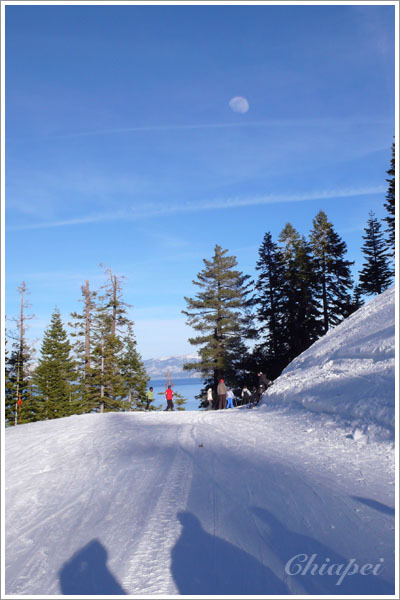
(158, 368)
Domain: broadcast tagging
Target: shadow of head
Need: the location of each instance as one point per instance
(186, 519)
(205, 564)
(86, 573)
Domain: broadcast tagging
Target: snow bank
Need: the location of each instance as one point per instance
(349, 373)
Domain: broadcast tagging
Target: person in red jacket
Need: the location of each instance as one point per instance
(169, 394)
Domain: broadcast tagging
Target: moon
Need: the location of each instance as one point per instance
(239, 104)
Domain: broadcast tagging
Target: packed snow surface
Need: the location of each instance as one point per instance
(269, 501)
(349, 373)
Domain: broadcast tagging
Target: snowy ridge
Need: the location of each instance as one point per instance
(349, 373)
(158, 368)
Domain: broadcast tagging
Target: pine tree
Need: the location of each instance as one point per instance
(55, 375)
(110, 322)
(114, 305)
(390, 205)
(269, 302)
(356, 301)
(179, 401)
(82, 326)
(301, 324)
(106, 376)
(9, 397)
(21, 406)
(376, 276)
(12, 381)
(334, 280)
(133, 372)
(220, 312)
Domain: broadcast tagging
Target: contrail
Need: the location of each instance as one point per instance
(318, 122)
(146, 211)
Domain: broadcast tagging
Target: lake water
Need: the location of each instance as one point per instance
(188, 388)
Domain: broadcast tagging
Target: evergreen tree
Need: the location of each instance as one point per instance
(133, 372)
(21, 406)
(55, 374)
(220, 312)
(376, 276)
(12, 381)
(106, 376)
(356, 301)
(9, 396)
(269, 301)
(113, 303)
(390, 205)
(334, 280)
(179, 401)
(82, 326)
(110, 323)
(301, 323)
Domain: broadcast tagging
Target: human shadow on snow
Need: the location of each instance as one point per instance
(287, 544)
(203, 564)
(86, 573)
(376, 505)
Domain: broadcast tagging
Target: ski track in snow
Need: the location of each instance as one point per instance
(151, 561)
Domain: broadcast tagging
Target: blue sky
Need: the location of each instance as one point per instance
(122, 148)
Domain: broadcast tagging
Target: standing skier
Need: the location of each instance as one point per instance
(221, 391)
(149, 398)
(210, 398)
(169, 394)
(246, 395)
(263, 384)
(229, 397)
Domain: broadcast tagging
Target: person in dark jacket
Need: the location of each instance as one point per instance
(221, 392)
(245, 395)
(263, 384)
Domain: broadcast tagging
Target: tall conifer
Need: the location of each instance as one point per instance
(390, 204)
(220, 313)
(301, 324)
(334, 281)
(376, 274)
(133, 371)
(55, 376)
(21, 405)
(269, 302)
(82, 333)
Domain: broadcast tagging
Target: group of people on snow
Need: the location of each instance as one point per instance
(169, 394)
(225, 397)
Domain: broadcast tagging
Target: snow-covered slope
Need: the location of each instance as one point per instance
(275, 500)
(195, 503)
(349, 373)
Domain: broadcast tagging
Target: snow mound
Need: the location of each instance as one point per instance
(349, 373)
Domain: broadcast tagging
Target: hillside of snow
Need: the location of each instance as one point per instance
(277, 500)
(349, 373)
